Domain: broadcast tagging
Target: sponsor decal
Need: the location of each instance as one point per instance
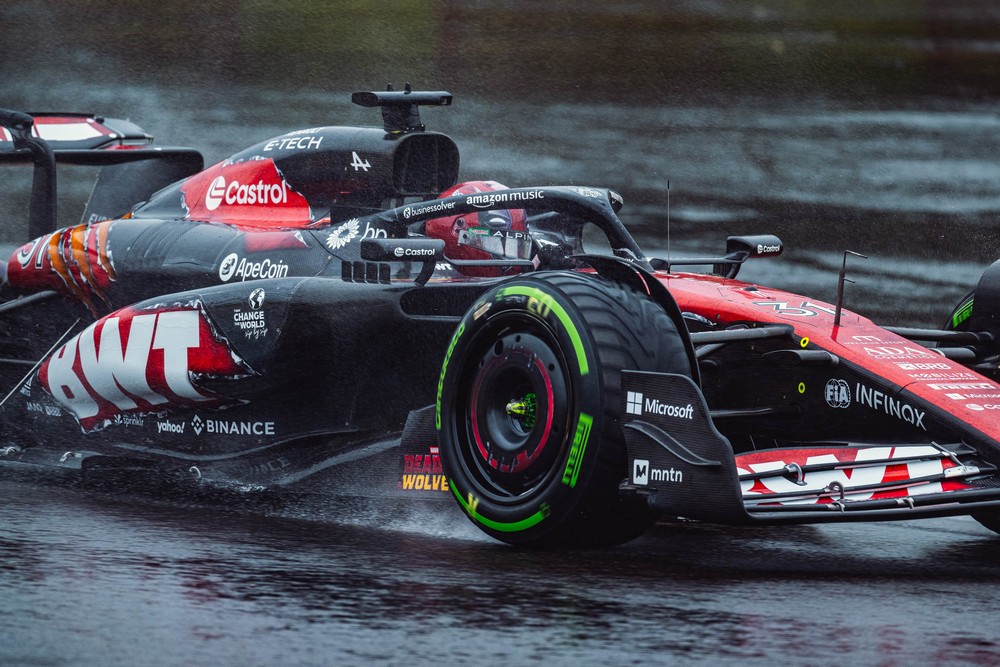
(982, 406)
(215, 193)
(170, 427)
(767, 249)
(30, 250)
(413, 252)
(923, 366)
(230, 426)
(374, 233)
(864, 340)
(74, 261)
(671, 475)
(249, 194)
(488, 199)
(422, 472)
(640, 472)
(234, 266)
(837, 394)
(43, 408)
(308, 130)
(63, 129)
(121, 419)
(436, 207)
(993, 396)
(343, 234)
(890, 405)
(252, 322)
(136, 361)
(586, 192)
(288, 142)
(804, 309)
(499, 233)
(858, 471)
(643, 474)
(899, 352)
(950, 376)
(963, 385)
(636, 404)
(256, 298)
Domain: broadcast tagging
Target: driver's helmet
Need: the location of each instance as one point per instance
(482, 235)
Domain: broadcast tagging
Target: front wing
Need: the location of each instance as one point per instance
(681, 464)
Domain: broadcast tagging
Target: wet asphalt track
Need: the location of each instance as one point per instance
(98, 579)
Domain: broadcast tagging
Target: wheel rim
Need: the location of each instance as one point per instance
(514, 411)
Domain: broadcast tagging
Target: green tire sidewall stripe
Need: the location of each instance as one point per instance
(500, 526)
(548, 300)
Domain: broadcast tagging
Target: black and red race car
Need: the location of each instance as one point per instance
(312, 308)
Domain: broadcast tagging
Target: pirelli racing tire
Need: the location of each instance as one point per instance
(529, 401)
(959, 318)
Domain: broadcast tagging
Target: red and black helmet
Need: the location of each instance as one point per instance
(482, 235)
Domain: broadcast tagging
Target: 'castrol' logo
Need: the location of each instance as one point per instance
(216, 191)
(413, 252)
(240, 193)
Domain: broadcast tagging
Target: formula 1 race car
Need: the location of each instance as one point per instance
(330, 305)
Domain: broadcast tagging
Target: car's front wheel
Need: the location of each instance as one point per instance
(529, 402)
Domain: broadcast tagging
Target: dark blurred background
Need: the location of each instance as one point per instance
(625, 52)
(838, 125)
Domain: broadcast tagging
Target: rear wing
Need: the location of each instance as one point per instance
(132, 169)
(74, 131)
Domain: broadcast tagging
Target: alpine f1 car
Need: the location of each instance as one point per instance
(331, 304)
